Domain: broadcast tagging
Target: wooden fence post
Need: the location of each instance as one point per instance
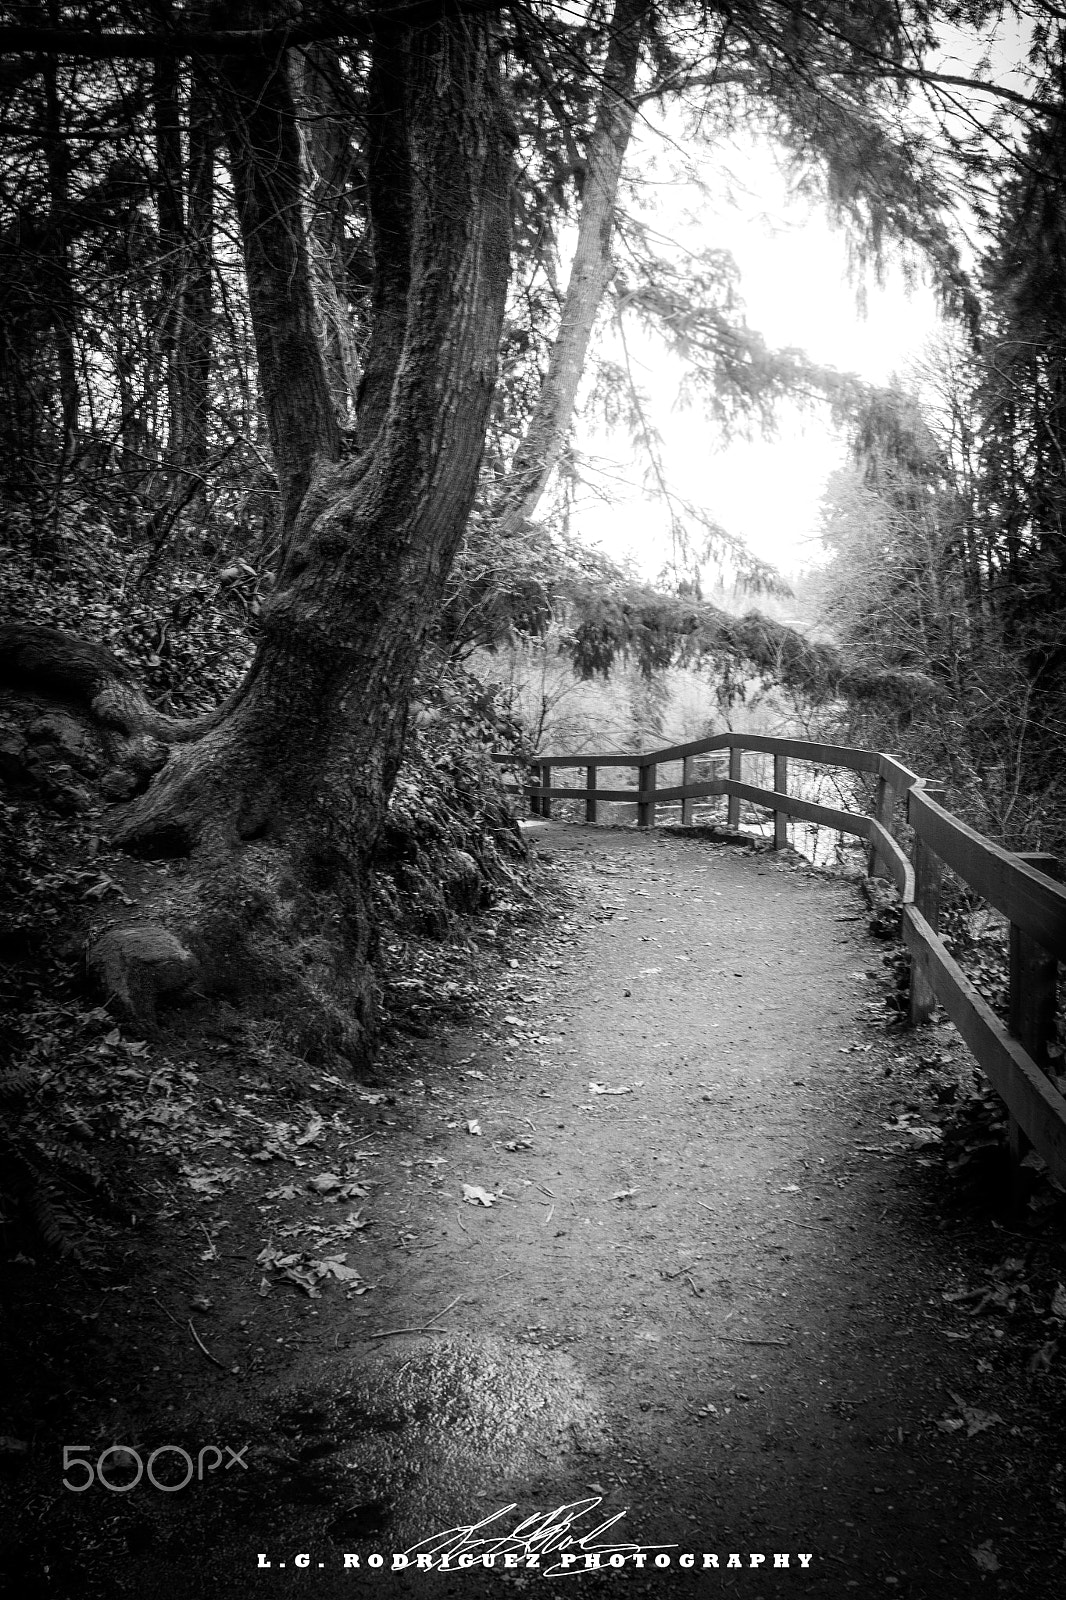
(686, 805)
(545, 799)
(736, 772)
(884, 809)
(928, 869)
(534, 783)
(1033, 976)
(645, 784)
(781, 817)
(590, 799)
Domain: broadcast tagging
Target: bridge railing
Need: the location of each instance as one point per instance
(1021, 887)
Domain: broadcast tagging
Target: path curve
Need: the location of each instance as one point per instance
(713, 1302)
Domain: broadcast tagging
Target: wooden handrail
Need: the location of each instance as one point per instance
(1024, 890)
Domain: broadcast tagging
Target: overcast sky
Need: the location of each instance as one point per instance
(795, 286)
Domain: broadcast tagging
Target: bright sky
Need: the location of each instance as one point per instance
(795, 287)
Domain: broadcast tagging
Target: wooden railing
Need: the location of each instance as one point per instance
(1021, 887)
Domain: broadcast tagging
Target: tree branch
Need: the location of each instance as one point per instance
(96, 45)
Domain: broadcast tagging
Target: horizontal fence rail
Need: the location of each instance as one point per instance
(1023, 888)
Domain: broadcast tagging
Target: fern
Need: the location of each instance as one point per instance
(18, 1084)
(53, 1221)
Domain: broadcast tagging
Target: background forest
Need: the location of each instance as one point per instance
(208, 291)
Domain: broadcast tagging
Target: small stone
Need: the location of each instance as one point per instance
(135, 966)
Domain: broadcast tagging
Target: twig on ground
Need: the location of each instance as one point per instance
(206, 1351)
(732, 1338)
(425, 1327)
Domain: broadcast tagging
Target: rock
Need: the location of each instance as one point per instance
(68, 738)
(135, 967)
(117, 784)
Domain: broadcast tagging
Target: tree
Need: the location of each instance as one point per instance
(279, 798)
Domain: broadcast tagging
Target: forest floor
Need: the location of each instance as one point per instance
(682, 1269)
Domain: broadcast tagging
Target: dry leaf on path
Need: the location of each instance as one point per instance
(601, 1088)
(473, 1126)
(986, 1557)
(975, 1420)
(474, 1195)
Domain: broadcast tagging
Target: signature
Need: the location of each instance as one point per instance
(548, 1541)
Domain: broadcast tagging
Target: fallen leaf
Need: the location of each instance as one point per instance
(986, 1557)
(351, 1191)
(304, 1281)
(978, 1421)
(623, 1194)
(287, 1191)
(601, 1088)
(974, 1420)
(1058, 1303)
(476, 1196)
(314, 1128)
(324, 1182)
(335, 1267)
(1042, 1359)
(473, 1126)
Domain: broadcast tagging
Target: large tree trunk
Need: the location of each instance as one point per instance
(258, 108)
(281, 801)
(196, 333)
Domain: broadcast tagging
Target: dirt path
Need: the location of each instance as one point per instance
(714, 1303)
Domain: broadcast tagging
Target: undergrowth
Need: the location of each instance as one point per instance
(78, 1099)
